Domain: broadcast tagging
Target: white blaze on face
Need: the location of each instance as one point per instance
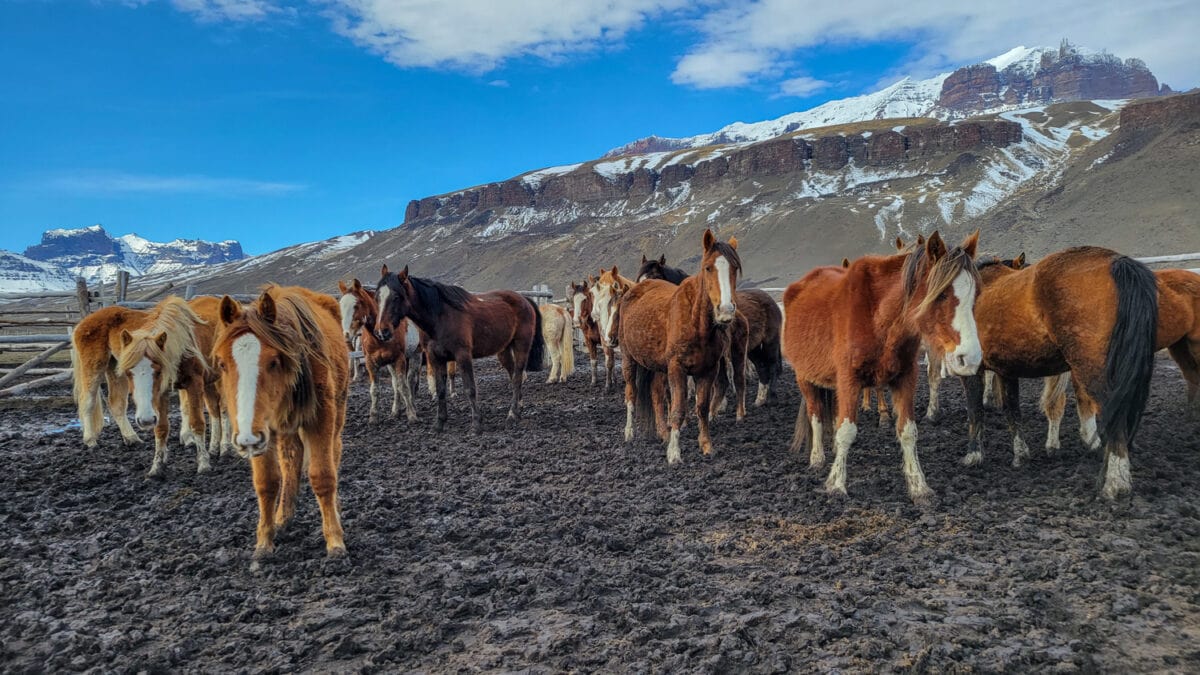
(143, 389)
(246, 351)
(349, 303)
(578, 313)
(968, 354)
(725, 310)
(604, 310)
(384, 294)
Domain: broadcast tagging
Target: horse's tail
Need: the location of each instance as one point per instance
(566, 345)
(537, 351)
(1054, 393)
(1130, 360)
(643, 399)
(76, 374)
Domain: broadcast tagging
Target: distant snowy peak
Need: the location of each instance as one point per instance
(19, 274)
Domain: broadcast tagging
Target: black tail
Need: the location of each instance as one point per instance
(537, 352)
(1130, 361)
(643, 399)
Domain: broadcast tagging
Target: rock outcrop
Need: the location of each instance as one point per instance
(1161, 112)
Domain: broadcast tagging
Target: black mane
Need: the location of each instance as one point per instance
(436, 296)
(657, 269)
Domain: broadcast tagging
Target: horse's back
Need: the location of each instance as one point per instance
(643, 330)
(762, 314)
(1178, 306)
(327, 314)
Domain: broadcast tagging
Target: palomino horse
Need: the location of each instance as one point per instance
(1178, 332)
(285, 373)
(762, 344)
(579, 304)
(1088, 310)
(400, 356)
(681, 331)
(463, 326)
(606, 299)
(560, 341)
(862, 326)
(95, 345)
(159, 358)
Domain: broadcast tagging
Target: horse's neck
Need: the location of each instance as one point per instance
(701, 306)
(427, 321)
(881, 290)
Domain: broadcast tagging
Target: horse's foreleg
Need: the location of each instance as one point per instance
(290, 452)
(881, 407)
(1054, 405)
(973, 386)
(629, 374)
(395, 378)
(720, 385)
(847, 430)
(214, 428)
(704, 392)
(1088, 410)
(185, 418)
(591, 348)
(678, 383)
(903, 395)
(323, 477)
(401, 383)
(162, 428)
(991, 390)
(91, 415)
(810, 424)
(933, 375)
(265, 469)
(451, 372)
(1186, 355)
(466, 368)
(659, 399)
(118, 406)
(195, 407)
(738, 360)
(437, 368)
(866, 399)
(609, 364)
(372, 383)
(1010, 395)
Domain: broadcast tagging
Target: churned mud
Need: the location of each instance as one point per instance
(552, 545)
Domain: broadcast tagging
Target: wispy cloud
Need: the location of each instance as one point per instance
(499, 83)
(121, 183)
(801, 86)
(213, 11)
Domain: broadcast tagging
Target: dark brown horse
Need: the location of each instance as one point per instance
(658, 269)
(862, 326)
(463, 326)
(1088, 310)
(679, 331)
(579, 304)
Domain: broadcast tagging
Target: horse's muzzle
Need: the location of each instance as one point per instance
(146, 422)
(963, 362)
(724, 313)
(250, 445)
(383, 335)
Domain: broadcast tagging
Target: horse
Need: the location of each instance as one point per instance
(285, 373)
(559, 337)
(463, 326)
(400, 355)
(862, 326)
(679, 331)
(607, 292)
(1088, 310)
(1178, 332)
(158, 358)
(579, 305)
(208, 308)
(658, 269)
(762, 343)
(95, 345)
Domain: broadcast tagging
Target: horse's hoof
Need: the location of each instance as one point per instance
(131, 441)
(335, 552)
(412, 417)
(972, 458)
(836, 491)
(922, 498)
(155, 473)
(203, 468)
(816, 463)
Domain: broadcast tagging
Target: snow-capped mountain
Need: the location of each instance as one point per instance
(1020, 77)
(95, 255)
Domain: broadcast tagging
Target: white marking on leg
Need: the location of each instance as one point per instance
(816, 456)
(371, 411)
(628, 421)
(1087, 431)
(968, 354)
(185, 422)
(846, 433)
(918, 489)
(1053, 431)
(1020, 450)
(673, 456)
(761, 398)
(395, 391)
(246, 351)
(384, 294)
(142, 376)
(160, 457)
(1117, 477)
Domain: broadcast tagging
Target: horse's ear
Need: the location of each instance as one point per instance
(342, 287)
(126, 337)
(230, 310)
(971, 243)
(161, 340)
(662, 259)
(643, 258)
(920, 240)
(934, 247)
(266, 307)
(357, 284)
(384, 272)
(591, 281)
(709, 239)
(733, 243)
(899, 244)
(404, 273)
(1019, 261)
(845, 262)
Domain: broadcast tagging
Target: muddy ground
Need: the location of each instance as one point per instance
(555, 546)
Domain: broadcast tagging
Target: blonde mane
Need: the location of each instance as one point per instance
(176, 320)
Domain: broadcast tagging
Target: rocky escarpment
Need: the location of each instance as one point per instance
(786, 155)
(1161, 112)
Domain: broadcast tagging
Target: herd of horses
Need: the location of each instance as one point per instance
(273, 375)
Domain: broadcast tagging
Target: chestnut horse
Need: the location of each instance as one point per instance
(862, 326)
(159, 358)
(463, 326)
(762, 344)
(559, 337)
(1088, 310)
(285, 373)
(95, 344)
(579, 305)
(400, 356)
(681, 331)
(607, 292)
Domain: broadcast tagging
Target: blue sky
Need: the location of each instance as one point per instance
(274, 123)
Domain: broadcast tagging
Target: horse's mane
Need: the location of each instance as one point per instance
(730, 254)
(435, 296)
(943, 273)
(298, 339)
(176, 319)
(992, 261)
(674, 275)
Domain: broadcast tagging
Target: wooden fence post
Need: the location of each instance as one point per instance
(122, 285)
(189, 291)
(81, 294)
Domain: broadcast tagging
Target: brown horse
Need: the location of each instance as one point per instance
(681, 331)
(862, 326)
(579, 304)
(95, 345)
(399, 355)
(607, 292)
(461, 327)
(285, 372)
(159, 358)
(1088, 310)
(1178, 332)
(208, 308)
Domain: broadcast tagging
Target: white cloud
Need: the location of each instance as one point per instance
(117, 182)
(477, 35)
(801, 86)
(1160, 32)
(498, 83)
(228, 10)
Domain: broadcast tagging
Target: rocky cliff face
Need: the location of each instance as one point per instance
(1184, 108)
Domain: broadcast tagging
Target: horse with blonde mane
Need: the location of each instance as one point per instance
(95, 345)
(285, 373)
(607, 292)
(579, 305)
(560, 342)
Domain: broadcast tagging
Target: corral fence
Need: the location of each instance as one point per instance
(25, 316)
